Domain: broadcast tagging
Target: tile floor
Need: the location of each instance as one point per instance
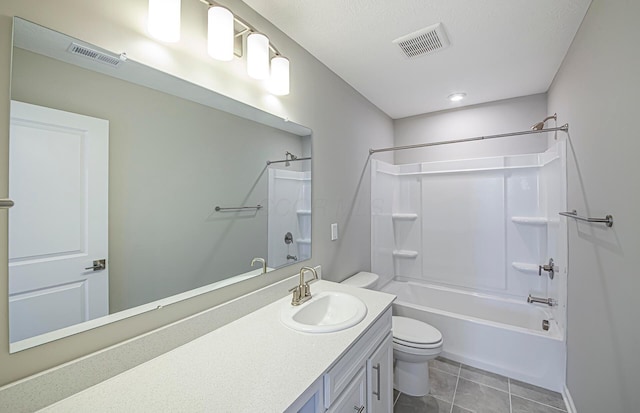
(458, 388)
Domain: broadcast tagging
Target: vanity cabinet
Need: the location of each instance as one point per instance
(380, 378)
(354, 397)
(361, 380)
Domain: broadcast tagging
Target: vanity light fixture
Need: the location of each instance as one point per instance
(230, 33)
(220, 36)
(279, 81)
(164, 24)
(164, 20)
(457, 97)
(258, 56)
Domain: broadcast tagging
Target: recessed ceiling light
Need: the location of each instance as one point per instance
(457, 97)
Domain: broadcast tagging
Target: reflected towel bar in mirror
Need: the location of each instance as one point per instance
(608, 220)
(220, 209)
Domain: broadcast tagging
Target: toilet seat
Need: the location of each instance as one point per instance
(414, 333)
(406, 352)
(417, 345)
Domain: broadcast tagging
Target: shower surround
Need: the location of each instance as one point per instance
(461, 242)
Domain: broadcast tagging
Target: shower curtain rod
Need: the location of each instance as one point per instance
(563, 128)
(289, 160)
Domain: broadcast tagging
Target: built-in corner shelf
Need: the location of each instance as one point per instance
(525, 267)
(303, 241)
(404, 217)
(405, 254)
(304, 212)
(530, 220)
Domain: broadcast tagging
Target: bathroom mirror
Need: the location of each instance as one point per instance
(134, 189)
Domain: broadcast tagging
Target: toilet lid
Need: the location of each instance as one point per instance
(409, 331)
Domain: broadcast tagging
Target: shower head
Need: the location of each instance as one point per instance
(288, 156)
(540, 125)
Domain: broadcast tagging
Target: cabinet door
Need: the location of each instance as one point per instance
(353, 399)
(380, 378)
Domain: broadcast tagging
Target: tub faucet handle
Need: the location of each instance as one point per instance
(547, 267)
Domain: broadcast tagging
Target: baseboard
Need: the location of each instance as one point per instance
(568, 401)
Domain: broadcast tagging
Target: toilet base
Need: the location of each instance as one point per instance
(411, 378)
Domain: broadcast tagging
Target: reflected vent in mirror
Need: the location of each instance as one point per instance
(113, 61)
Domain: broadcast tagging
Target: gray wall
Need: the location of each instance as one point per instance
(501, 116)
(171, 162)
(596, 91)
(344, 126)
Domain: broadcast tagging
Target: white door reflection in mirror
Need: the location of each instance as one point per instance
(58, 169)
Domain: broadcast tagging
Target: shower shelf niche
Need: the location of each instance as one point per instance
(404, 217)
(303, 212)
(405, 254)
(525, 267)
(530, 220)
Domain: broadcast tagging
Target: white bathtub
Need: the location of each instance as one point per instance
(498, 335)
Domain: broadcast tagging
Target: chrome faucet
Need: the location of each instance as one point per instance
(548, 301)
(548, 268)
(264, 264)
(302, 292)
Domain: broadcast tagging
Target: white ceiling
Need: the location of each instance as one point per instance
(499, 48)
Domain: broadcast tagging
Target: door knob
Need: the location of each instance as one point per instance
(98, 265)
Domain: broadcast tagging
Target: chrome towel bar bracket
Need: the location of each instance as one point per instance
(607, 220)
(6, 203)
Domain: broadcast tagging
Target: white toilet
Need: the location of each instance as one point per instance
(414, 344)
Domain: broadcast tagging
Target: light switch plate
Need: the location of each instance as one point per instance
(334, 232)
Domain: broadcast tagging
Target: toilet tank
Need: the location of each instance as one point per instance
(363, 280)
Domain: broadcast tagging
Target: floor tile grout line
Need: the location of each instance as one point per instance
(509, 388)
(508, 391)
(543, 404)
(484, 384)
(444, 371)
(455, 390)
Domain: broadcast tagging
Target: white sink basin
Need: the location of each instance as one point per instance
(325, 312)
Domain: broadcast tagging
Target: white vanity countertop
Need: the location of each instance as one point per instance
(254, 364)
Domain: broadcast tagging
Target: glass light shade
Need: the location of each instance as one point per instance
(279, 81)
(164, 20)
(220, 33)
(258, 56)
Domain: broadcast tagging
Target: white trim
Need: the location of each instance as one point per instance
(568, 401)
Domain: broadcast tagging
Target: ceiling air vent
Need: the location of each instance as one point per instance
(77, 49)
(424, 41)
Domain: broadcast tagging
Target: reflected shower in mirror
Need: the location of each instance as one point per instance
(133, 190)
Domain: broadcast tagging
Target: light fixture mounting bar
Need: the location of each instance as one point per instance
(247, 27)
